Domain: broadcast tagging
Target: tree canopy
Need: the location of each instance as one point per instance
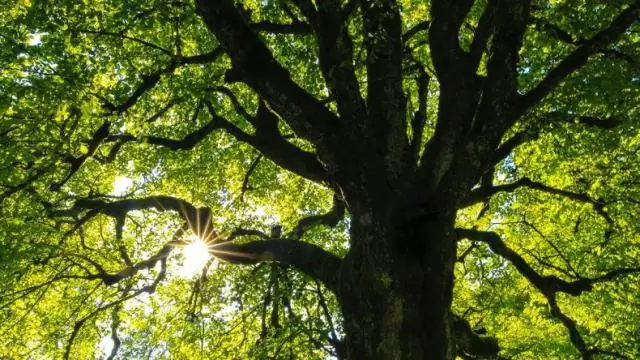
(296, 179)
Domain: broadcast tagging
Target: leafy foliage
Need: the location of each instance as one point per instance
(120, 122)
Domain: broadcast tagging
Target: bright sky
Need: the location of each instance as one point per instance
(121, 185)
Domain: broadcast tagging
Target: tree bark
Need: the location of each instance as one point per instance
(396, 285)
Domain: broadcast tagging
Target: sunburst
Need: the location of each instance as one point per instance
(196, 256)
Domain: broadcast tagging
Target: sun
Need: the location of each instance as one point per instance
(196, 255)
(121, 185)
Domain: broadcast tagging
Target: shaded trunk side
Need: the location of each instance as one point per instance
(396, 290)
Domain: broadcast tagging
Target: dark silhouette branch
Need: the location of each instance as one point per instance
(336, 56)
(386, 102)
(145, 289)
(76, 162)
(247, 175)
(484, 193)
(150, 81)
(519, 138)
(254, 64)
(308, 258)
(419, 119)
(447, 18)
(246, 232)
(570, 324)
(483, 32)
(500, 87)
(550, 284)
(267, 140)
(115, 324)
(414, 30)
(471, 345)
(567, 38)
(579, 57)
(591, 121)
(330, 219)
(236, 104)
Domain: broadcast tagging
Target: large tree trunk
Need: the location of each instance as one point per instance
(396, 287)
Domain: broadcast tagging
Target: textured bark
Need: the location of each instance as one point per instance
(396, 282)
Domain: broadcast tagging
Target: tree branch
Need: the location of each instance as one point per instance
(93, 207)
(385, 97)
(483, 32)
(580, 56)
(486, 192)
(245, 181)
(447, 17)
(255, 65)
(80, 323)
(330, 219)
(122, 35)
(308, 258)
(115, 323)
(271, 143)
(471, 345)
(421, 26)
(267, 140)
(150, 81)
(501, 84)
(420, 117)
(507, 147)
(336, 56)
(550, 284)
(76, 162)
(570, 324)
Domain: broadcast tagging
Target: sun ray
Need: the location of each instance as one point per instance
(196, 256)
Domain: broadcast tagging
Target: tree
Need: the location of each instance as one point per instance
(405, 180)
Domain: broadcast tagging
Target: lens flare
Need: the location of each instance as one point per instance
(196, 255)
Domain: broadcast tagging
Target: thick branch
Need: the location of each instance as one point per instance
(267, 140)
(93, 207)
(421, 26)
(605, 124)
(501, 85)
(330, 219)
(336, 57)
(308, 258)
(570, 324)
(447, 17)
(566, 37)
(385, 97)
(420, 117)
(255, 65)
(580, 56)
(483, 32)
(471, 345)
(272, 144)
(507, 147)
